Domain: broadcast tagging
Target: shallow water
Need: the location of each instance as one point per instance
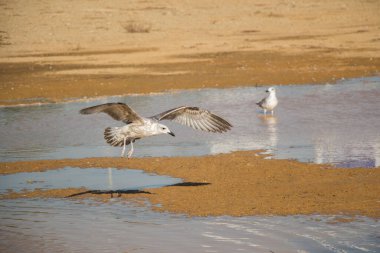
(70, 226)
(335, 124)
(93, 179)
(318, 123)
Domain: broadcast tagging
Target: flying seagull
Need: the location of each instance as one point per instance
(138, 127)
(269, 102)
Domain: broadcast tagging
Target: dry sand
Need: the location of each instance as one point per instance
(54, 51)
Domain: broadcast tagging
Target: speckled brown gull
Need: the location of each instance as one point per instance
(138, 127)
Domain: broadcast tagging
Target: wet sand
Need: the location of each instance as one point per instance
(59, 51)
(236, 184)
(29, 83)
(51, 53)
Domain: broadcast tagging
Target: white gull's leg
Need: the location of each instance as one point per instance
(265, 111)
(272, 112)
(130, 151)
(124, 142)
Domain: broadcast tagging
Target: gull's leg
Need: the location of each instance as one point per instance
(272, 112)
(130, 151)
(265, 111)
(123, 151)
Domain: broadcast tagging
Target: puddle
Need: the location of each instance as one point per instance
(67, 226)
(93, 179)
(336, 124)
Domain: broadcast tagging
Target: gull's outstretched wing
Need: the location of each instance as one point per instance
(196, 118)
(118, 111)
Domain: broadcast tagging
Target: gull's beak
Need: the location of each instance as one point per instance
(172, 134)
(267, 91)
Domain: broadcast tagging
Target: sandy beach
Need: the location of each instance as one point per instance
(60, 51)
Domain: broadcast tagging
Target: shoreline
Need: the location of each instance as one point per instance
(237, 184)
(50, 82)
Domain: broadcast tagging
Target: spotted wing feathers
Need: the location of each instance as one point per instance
(196, 118)
(118, 111)
(262, 102)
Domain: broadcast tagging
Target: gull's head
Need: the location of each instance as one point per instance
(162, 129)
(271, 90)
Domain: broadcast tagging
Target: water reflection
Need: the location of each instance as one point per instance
(110, 181)
(270, 121)
(314, 123)
(376, 148)
(92, 179)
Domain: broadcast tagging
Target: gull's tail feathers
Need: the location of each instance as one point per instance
(114, 137)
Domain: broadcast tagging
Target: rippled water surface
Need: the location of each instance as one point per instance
(336, 124)
(69, 226)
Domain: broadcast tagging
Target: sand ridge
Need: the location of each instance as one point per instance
(240, 183)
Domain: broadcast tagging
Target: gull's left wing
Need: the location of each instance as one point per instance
(196, 118)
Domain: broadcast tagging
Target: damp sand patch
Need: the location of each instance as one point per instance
(242, 183)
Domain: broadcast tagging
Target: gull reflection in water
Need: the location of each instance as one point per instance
(270, 121)
(261, 134)
(110, 181)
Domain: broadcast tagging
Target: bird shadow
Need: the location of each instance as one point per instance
(111, 192)
(120, 192)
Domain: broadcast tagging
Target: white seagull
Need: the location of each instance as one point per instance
(269, 102)
(138, 127)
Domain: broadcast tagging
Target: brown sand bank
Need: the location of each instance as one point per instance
(239, 183)
(26, 83)
(51, 51)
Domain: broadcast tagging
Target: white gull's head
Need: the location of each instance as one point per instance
(162, 129)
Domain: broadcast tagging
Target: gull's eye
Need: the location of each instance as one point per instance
(162, 128)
